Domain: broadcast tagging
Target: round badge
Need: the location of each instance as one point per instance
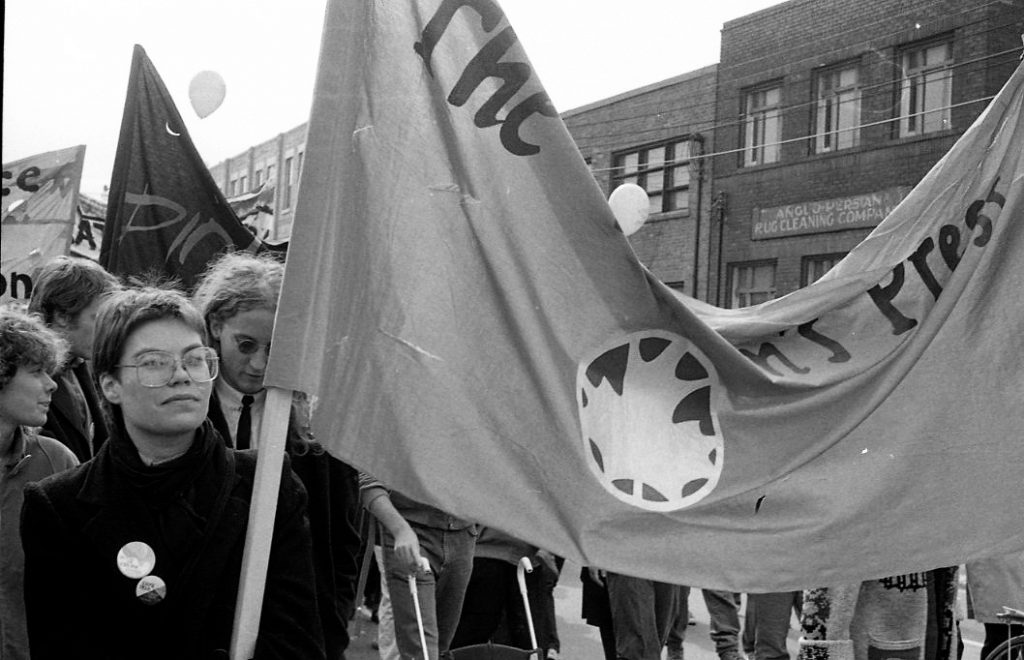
(136, 559)
(151, 590)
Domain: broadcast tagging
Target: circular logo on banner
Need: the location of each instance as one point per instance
(647, 415)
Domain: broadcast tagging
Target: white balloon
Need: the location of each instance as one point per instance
(630, 206)
(206, 92)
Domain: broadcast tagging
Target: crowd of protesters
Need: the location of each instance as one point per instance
(130, 419)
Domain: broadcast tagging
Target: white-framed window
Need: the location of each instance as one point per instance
(813, 266)
(926, 88)
(751, 283)
(286, 183)
(257, 178)
(762, 125)
(241, 184)
(837, 111)
(663, 170)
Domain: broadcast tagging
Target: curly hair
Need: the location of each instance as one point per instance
(67, 285)
(26, 341)
(235, 283)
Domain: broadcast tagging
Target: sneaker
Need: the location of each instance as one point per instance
(553, 655)
(731, 655)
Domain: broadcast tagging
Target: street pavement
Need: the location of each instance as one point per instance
(582, 642)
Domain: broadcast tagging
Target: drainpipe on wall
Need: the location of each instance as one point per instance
(718, 210)
(697, 169)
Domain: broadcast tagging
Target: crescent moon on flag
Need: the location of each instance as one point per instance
(168, 127)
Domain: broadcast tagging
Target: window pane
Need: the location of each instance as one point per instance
(656, 181)
(629, 163)
(656, 203)
(680, 176)
(762, 127)
(656, 157)
(678, 200)
(772, 133)
(925, 91)
(752, 284)
(681, 151)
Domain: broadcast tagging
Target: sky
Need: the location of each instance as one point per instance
(66, 62)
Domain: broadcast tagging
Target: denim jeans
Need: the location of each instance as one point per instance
(642, 612)
(440, 592)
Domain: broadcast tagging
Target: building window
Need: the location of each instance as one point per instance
(751, 283)
(762, 126)
(837, 110)
(812, 267)
(286, 198)
(241, 184)
(231, 187)
(270, 175)
(926, 89)
(257, 178)
(663, 170)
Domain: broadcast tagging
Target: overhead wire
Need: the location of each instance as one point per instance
(869, 43)
(711, 103)
(778, 55)
(802, 138)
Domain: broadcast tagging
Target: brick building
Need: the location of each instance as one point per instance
(828, 113)
(276, 163)
(653, 136)
(764, 170)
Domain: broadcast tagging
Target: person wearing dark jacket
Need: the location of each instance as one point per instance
(30, 354)
(237, 297)
(138, 552)
(67, 293)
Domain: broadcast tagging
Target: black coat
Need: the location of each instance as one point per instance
(65, 424)
(333, 490)
(193, 511)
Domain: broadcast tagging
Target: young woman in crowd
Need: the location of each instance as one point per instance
(30, 355)
(138, 553)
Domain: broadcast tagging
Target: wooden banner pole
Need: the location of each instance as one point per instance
(258, 536)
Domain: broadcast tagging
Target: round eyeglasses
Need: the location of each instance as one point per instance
(157, 368)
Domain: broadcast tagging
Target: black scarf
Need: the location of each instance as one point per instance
(178, 496)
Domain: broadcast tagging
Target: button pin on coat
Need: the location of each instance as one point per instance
(151, 590)
(136, 559)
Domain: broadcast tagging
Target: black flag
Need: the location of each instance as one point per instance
(165, 214)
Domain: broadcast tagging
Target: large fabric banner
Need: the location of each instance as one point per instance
(480, 336)
(40, 195)
(166, 217)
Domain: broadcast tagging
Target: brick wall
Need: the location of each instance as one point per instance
(675, 245)
(787, 44)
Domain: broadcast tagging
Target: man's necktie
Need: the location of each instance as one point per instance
(244, 423)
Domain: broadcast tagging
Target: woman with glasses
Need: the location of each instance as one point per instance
(138, 553)
(237, 297)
